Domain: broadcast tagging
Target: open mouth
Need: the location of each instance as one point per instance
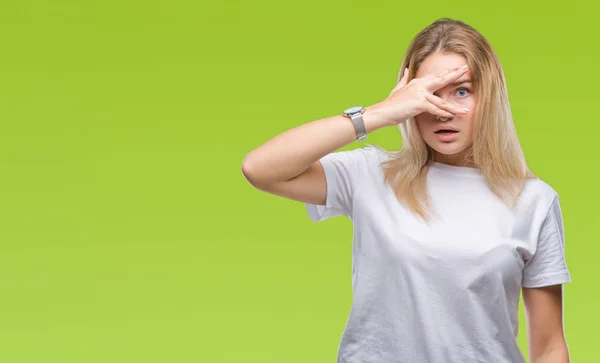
(446, 132)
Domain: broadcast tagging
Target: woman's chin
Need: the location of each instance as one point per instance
(449, 149)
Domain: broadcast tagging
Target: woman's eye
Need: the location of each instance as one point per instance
(462, 92)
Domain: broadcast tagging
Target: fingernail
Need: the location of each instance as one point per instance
(464, 68)
(465, 110)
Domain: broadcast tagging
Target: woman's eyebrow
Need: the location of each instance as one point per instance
(460, 82)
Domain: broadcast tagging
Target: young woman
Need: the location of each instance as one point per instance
(449, 229)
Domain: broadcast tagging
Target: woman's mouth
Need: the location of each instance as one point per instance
(447, 135)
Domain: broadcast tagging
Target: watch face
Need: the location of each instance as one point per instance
(354, 109)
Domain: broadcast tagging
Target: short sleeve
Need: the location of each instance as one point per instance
(548, 266)
(344, 170)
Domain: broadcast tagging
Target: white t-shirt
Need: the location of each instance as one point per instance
(447, 292)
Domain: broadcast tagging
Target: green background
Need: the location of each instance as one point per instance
(127, 230)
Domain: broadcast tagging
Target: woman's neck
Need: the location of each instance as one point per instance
(459, 159)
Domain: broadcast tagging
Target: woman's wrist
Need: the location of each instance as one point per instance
(374, 119)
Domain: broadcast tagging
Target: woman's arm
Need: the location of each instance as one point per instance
(290, 153)
(544, 312)
(288, 164)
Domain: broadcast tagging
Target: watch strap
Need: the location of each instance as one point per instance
(359, 126)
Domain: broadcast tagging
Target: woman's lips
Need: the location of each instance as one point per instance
(447, 135)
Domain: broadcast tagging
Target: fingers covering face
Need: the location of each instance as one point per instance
(438, 81)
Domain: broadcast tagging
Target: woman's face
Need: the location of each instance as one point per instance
(449, 148)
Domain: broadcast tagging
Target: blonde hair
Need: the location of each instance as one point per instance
(496, 150)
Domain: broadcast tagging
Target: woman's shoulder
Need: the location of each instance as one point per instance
(538, 191)
(378, 153)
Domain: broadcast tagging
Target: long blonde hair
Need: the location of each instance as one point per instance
(496, 150)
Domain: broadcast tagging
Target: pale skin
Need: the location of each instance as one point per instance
(288, 166)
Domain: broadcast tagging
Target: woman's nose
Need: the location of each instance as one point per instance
(443, 97)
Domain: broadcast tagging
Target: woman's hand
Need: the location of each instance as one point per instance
(409, 99)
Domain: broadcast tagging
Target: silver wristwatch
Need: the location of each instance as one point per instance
(355, 113)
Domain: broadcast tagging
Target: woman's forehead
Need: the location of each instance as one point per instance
(436, 63)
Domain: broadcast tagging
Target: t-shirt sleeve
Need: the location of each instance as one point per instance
(548, 266)
(344, 170)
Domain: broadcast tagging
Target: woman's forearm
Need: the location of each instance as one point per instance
(293, 151)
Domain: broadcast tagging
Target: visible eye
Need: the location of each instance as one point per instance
(464, 92)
